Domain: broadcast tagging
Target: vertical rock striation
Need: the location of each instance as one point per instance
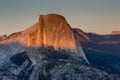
(52, 30)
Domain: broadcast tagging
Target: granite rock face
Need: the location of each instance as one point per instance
(59, 66)
(48, 50)
(52, 30)
(81, 36)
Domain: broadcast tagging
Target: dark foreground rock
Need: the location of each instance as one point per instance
(51, 65)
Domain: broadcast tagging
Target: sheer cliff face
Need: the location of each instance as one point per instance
(52, 30)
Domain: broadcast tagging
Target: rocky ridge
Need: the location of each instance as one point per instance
(48, 50)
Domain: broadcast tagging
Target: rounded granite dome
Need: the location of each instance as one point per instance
(53, 30)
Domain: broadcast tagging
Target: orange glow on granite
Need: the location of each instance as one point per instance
(52, 30)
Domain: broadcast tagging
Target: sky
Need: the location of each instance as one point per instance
(98, 16)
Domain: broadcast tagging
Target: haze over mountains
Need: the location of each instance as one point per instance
(51, 50)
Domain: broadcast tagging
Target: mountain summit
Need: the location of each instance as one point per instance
(51, 30)
(48, 50)
(115, 32)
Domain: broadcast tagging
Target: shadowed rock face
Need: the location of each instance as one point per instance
(81, 36)
(52, 30)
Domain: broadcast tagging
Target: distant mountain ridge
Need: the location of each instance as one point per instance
(51, 30)
(115, 33)
(104, 51)
(104, 39)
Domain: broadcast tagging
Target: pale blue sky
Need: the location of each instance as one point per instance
(101, 16)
